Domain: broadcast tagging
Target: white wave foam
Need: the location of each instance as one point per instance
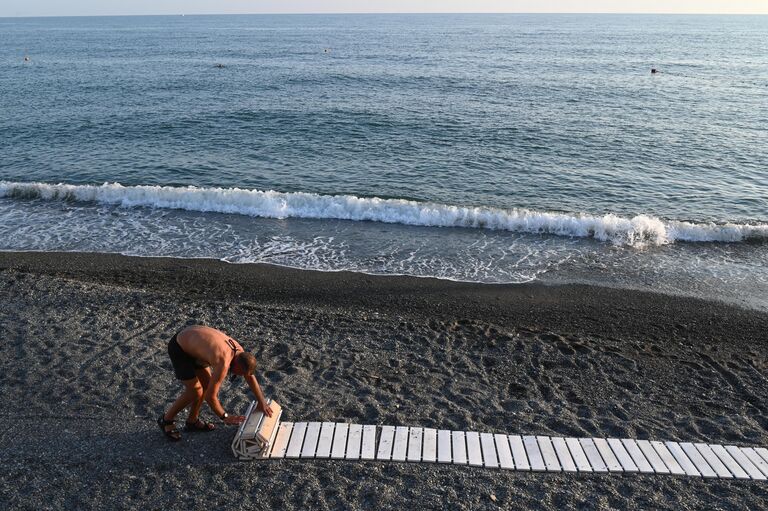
(637, 231)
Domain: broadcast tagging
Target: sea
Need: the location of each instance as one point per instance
(504, 148)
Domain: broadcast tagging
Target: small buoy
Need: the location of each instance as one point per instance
(327, 50)
(26, 59)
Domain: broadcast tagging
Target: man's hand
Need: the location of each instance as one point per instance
(264, 407)
(234, 420)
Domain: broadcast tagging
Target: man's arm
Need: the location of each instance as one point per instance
(211, 395)
(253, 383)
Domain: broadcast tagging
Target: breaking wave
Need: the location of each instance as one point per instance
(637, 231)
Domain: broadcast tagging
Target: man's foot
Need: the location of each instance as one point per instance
(169, 429)
(199, 425)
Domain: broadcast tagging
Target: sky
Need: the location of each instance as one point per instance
(113, 7)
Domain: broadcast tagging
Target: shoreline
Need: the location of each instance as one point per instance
(547, 305)
(86, 374)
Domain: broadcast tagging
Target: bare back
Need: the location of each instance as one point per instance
(208, 345)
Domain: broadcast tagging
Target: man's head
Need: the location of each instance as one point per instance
(243, 364)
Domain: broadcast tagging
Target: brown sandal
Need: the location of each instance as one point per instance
(174, 435)
(199, 426)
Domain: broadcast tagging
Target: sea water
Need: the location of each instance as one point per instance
(483, 148)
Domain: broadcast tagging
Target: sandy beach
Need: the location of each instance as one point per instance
(85, 374)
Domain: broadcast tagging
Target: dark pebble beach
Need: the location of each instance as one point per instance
(85, 373)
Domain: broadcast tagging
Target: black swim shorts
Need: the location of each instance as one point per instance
(183, 365)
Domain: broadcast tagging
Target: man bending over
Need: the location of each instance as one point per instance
(201, 358)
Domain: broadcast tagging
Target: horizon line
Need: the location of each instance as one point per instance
(683, 13)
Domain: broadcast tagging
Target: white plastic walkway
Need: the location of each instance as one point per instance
(329, 440)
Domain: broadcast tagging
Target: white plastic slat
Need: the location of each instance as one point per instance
(686, 464)
(248, 428)
(607, 454)
(548, 454)
(339, 446)
(430, 445)
(415, 436)
(505, 454)
(756, 459)
(561, 448)
(759, 458)
(297, 439)
(281, 440)
(622, 455)
(578, 455)
(324, 443)
(653, 457)
(729, 462)
(763, 452)
(386, 440)
(400, 448)
(518, 452)
(669, 460)
(310, 440)
(459, 448)
(713, 461)
(354, 440)
(369, 443)
(490, 460)
(474, 454)
(698, 460)
(593, 455)
(744, 462)
(444, 446)
(642, 463)
(534, 454)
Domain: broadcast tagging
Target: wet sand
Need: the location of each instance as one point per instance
(83, 355)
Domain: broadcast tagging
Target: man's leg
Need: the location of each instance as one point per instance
(193, 392)
(204, 377)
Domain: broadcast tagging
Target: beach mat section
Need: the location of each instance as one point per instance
(343, 441)
(257, 433)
